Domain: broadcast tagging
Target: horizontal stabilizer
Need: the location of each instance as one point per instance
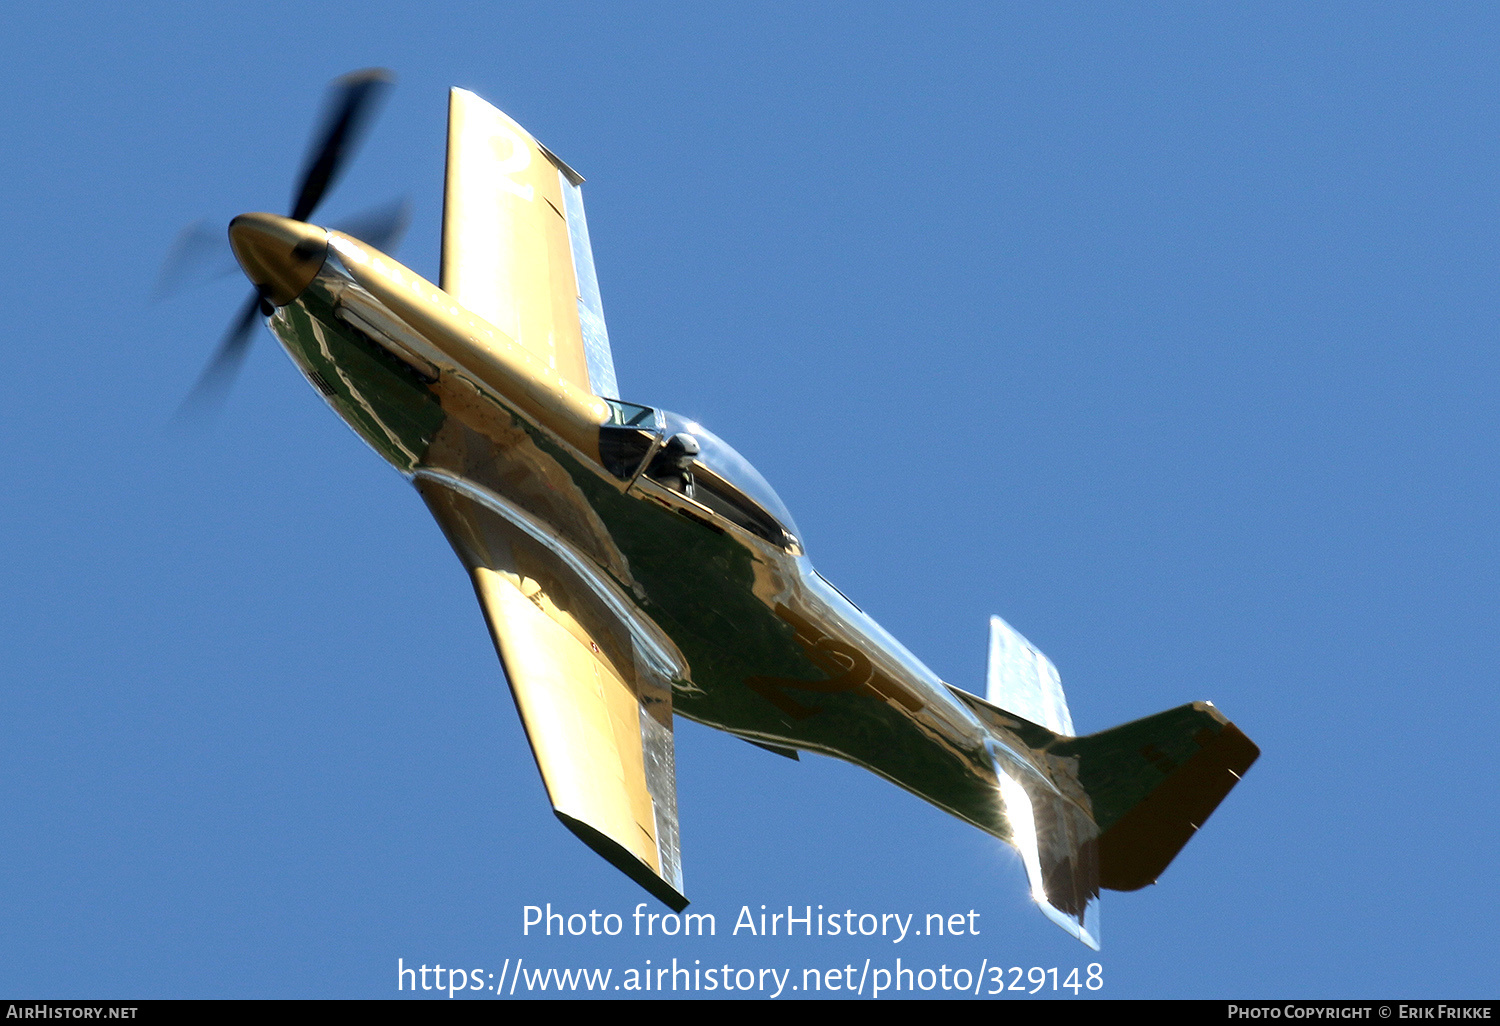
(1058, 844)
(1024, 682)
(1153, 783)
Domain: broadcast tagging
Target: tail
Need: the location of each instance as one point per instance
(1112, 809)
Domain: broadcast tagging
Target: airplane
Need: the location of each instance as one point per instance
(632, 567)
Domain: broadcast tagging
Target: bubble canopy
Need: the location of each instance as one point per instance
(723, 461)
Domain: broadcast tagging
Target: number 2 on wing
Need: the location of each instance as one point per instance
(506, 164)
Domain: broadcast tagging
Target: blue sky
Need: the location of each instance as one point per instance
(1167, 332)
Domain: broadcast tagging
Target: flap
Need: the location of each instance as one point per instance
(598, 718)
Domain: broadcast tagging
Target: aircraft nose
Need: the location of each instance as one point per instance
(280, 256)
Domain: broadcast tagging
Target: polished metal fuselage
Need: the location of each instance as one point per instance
(752, 638)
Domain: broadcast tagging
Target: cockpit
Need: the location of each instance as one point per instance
(686, 458)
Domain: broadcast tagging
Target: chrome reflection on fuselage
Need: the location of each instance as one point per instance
(674, 533)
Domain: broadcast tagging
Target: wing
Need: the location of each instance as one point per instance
(516, 245)
(598, 718)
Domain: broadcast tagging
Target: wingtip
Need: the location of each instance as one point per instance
(625, 861)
